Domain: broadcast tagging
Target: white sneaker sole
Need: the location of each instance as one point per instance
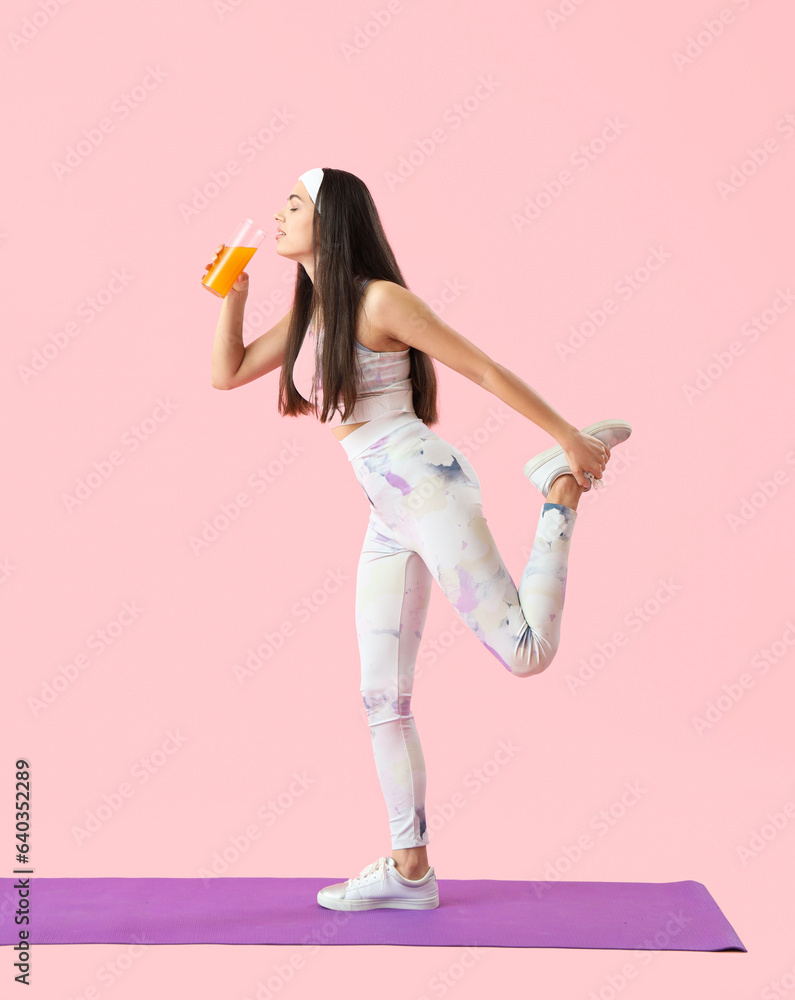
(421, 903)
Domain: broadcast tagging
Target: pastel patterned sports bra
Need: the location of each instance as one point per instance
(383, 379)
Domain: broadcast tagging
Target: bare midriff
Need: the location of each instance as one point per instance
(341, 432)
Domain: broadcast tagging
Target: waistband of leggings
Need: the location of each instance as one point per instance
(363, 437)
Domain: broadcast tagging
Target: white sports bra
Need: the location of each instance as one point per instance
(383, 379)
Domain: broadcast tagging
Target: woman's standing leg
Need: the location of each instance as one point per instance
(392, 595)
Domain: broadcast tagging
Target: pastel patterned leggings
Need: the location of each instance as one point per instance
(426, 521)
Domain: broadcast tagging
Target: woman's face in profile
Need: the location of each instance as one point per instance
(295, 221)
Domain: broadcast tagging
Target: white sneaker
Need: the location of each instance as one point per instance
(545, 468)
(381, 884)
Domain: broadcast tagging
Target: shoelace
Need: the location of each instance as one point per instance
(377, 866)
(596, 484)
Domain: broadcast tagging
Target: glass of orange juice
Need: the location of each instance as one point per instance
(233, 257)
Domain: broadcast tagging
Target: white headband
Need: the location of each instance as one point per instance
(312, 180)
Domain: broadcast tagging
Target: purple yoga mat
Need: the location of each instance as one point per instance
(654, 916)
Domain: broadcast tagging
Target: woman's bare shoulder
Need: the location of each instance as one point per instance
(377, 294)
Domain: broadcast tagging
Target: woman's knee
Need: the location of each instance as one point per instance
(385, 704)
(533, 657)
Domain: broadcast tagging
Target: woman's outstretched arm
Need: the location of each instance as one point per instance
(407, 318)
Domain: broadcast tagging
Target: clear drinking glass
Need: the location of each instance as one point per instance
(233, 257)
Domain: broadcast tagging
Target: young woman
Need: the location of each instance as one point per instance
(364, 368)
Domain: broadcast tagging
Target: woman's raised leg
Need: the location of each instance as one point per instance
(520, 625)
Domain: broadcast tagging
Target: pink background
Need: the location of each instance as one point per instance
(683, 504)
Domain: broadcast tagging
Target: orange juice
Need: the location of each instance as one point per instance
(224, 272)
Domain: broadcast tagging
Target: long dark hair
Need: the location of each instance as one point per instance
(349, 246)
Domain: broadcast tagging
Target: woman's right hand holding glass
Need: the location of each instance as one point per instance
(240, 287)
